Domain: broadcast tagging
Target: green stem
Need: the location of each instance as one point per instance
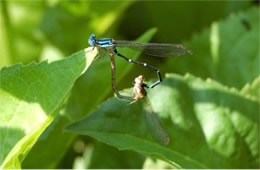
(7, 43)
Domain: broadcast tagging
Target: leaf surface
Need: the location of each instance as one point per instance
(30, 97)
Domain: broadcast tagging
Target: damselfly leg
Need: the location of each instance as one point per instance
(113, 75)
(145, 65)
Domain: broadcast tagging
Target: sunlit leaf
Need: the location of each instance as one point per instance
(53, 139)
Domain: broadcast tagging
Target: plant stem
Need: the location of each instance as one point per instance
(7, 39)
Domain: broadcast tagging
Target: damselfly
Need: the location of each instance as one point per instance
(157, 132)
(139, 92)
(152, 49)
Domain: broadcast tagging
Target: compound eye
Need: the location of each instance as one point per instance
(93, 35)
(91, 39)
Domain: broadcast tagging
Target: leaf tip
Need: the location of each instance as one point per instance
(90, 53)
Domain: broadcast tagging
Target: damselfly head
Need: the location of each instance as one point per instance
(138, 89)
(139, 80)
(92, 39)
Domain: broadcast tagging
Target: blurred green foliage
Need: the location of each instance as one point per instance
(224, 39)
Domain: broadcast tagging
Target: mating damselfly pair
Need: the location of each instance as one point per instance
(151, 49)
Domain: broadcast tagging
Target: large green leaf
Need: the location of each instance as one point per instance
(30, 97)
(81, 102)
(227, 52)
(210, 125)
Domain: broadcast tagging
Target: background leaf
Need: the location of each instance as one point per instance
(176, 20)
(228, 55)
(252, 89)
(220, 124)
(38, 88)
(21, 41)
(84, 16)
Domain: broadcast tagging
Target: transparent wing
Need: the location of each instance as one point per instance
(155, 49)
(157, 132)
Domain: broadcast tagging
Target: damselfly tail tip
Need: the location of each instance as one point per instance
(189, 52)
(184, 48)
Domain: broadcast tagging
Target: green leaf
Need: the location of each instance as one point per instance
(227, 52)
(252, 89)
(209, 125)
(30, 97)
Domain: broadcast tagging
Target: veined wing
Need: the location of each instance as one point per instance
(156, 130)
(155, 49)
